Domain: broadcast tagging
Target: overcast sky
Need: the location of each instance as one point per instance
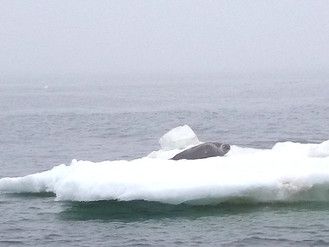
(167, 37)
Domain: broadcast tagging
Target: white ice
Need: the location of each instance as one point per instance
(287, 172)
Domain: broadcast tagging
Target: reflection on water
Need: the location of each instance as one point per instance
(142, 210)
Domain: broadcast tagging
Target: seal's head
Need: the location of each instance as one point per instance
(222, 148)
(225, 148)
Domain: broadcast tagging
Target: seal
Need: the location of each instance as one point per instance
(202, 151)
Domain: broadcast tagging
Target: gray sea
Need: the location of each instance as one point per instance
(47, 122)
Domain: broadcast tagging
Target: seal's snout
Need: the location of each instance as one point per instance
(226, 148)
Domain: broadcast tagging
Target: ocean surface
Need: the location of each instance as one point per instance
(272, 188)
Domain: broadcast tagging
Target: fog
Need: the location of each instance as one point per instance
(164, 37)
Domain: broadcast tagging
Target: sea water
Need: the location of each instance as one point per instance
(86, 162)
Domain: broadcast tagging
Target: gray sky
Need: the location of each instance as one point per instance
(168, 37)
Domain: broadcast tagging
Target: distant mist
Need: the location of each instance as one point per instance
(164, 37)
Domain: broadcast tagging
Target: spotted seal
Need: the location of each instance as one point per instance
(202, 151)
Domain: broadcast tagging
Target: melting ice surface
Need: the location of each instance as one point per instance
(287, 172)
